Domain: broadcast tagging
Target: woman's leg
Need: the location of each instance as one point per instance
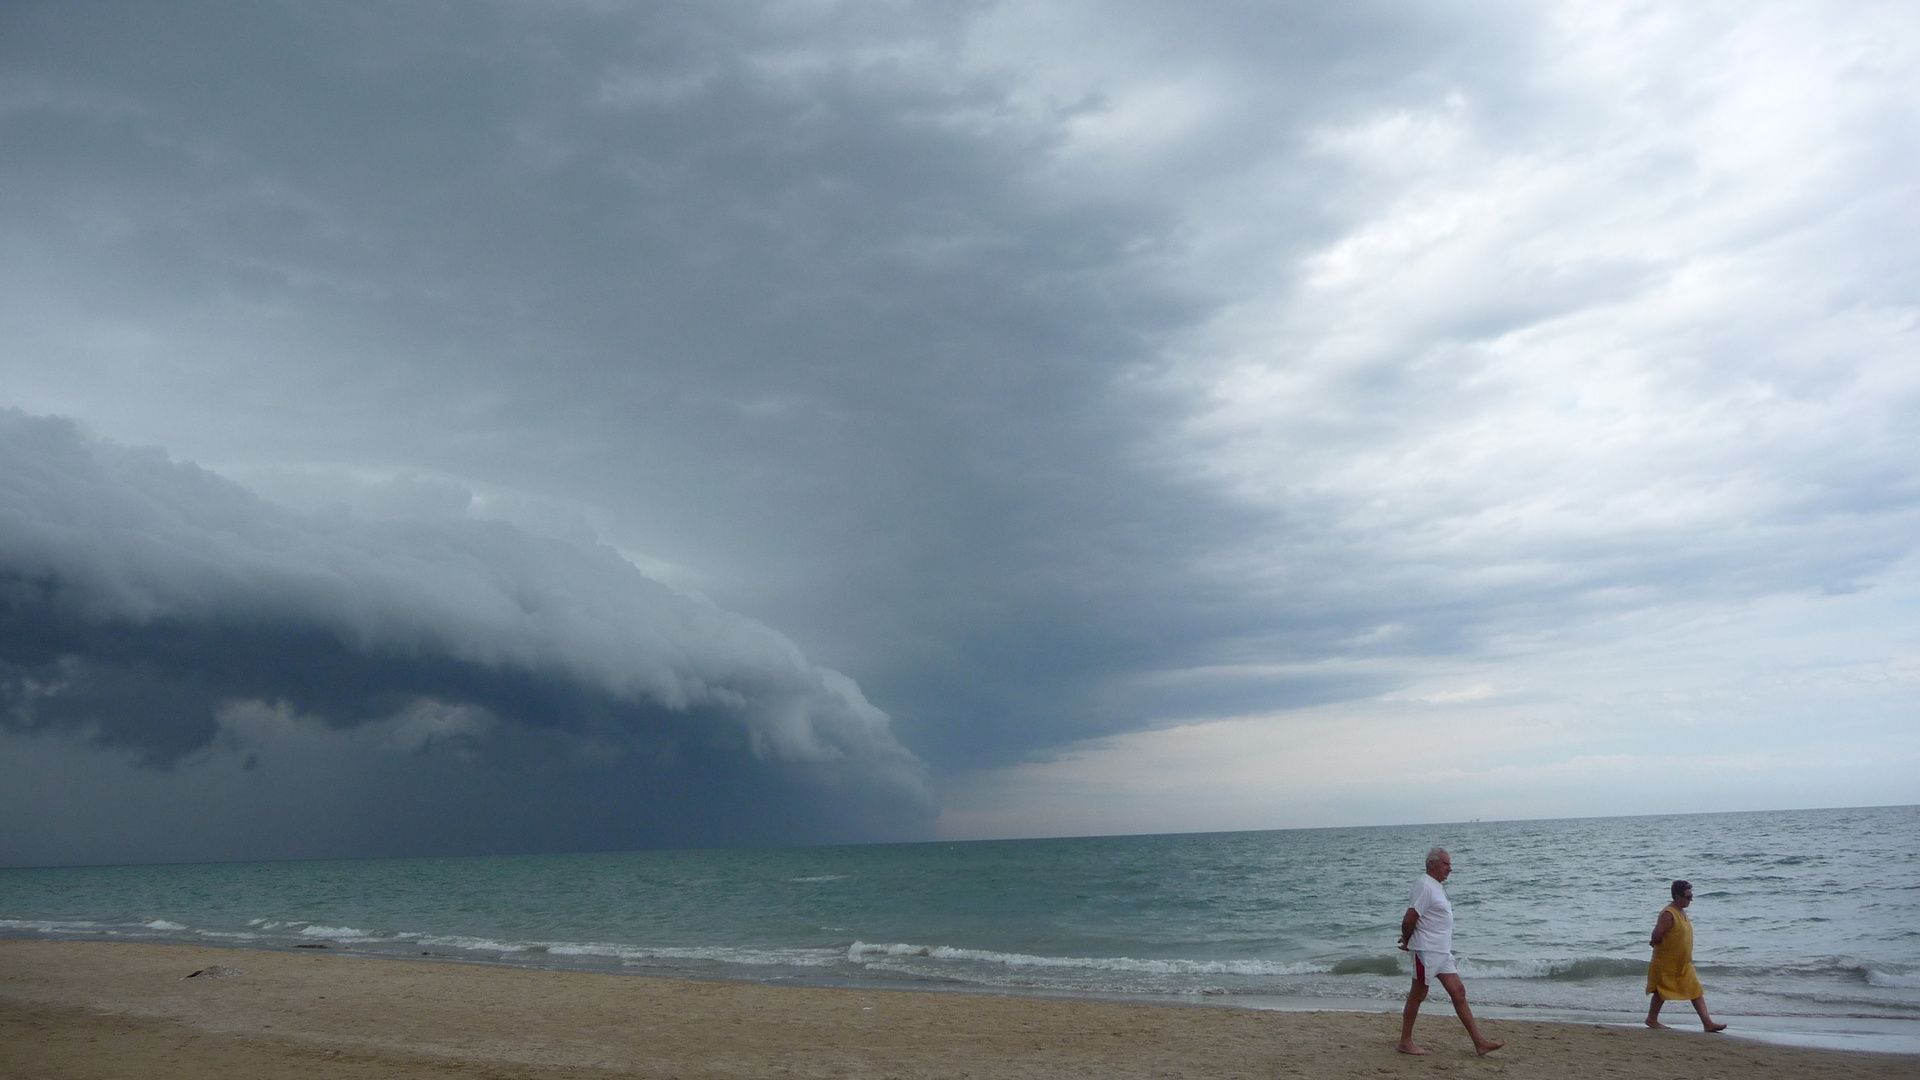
(1653, 1011)
(1700, 1006)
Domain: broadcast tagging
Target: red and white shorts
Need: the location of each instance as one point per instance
(1428, 964)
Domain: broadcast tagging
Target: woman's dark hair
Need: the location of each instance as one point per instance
(1680, 887)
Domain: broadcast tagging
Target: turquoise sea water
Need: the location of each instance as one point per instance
(1807, 922)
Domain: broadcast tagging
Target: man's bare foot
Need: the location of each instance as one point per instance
(1488, 1047)
(1714, 1027)
(1658, 1026)
(1409, 1048)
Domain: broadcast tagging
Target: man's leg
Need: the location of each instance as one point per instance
(1653, 1011)
(1407, 1016)
(1700, 1006)
(1457, 990)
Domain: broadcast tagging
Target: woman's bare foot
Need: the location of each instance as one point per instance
(1488, 1047)
(1658, 1026)
(1714, 1027)
(1409, 1048)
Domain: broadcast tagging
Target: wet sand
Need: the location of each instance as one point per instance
(103, 1010)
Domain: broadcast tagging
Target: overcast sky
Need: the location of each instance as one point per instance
(561, 425)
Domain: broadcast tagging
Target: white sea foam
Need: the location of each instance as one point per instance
(642, 954)
(50, 926)
(162, 924)
(335, 933)
(1902, 980)
(228, 935)
(734, 954)
(470, 944)
(861, 952)
(591, 949)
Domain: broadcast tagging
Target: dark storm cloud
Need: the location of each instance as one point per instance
(141, 600)
(797, 298)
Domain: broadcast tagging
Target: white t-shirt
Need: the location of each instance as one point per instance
(1434, 931)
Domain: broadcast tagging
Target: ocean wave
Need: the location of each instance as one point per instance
(227, 935)
(1872, 972)
(640, 955)
(50, 926)
(162, 924)
(466, 943)
(330, 933)
(861, 952)
(736, 954)
(1601, 967)
(1369, 965)
(1573, 969)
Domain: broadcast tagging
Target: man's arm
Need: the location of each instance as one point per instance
(1407, 923)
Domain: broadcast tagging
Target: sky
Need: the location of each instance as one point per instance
(585, 425)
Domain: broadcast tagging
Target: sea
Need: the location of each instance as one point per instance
(1807, 922)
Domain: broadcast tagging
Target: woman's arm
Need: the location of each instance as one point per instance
(1661, 927)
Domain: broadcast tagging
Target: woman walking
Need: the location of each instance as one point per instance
(1671, 976)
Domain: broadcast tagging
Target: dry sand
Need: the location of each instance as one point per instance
(100, 1010)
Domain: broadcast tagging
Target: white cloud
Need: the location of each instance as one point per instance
(1576, 345)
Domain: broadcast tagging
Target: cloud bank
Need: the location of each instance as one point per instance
(152, 607)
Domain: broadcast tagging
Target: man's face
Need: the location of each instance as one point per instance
(1439, 868)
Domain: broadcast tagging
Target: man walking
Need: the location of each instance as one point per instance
(1427, 931)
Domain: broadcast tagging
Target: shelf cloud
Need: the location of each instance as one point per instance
(146, 604)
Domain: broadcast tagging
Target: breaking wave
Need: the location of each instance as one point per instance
(333, 933)
(861, 952)
(1902, 980)
(1576, 969)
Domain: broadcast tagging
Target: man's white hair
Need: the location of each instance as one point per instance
(1435, 854)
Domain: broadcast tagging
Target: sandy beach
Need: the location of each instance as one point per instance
(104, 1010)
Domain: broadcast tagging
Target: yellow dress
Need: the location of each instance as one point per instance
(1671, 974)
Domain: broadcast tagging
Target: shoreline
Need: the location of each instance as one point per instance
(72, 1008)
(1855, 1033)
